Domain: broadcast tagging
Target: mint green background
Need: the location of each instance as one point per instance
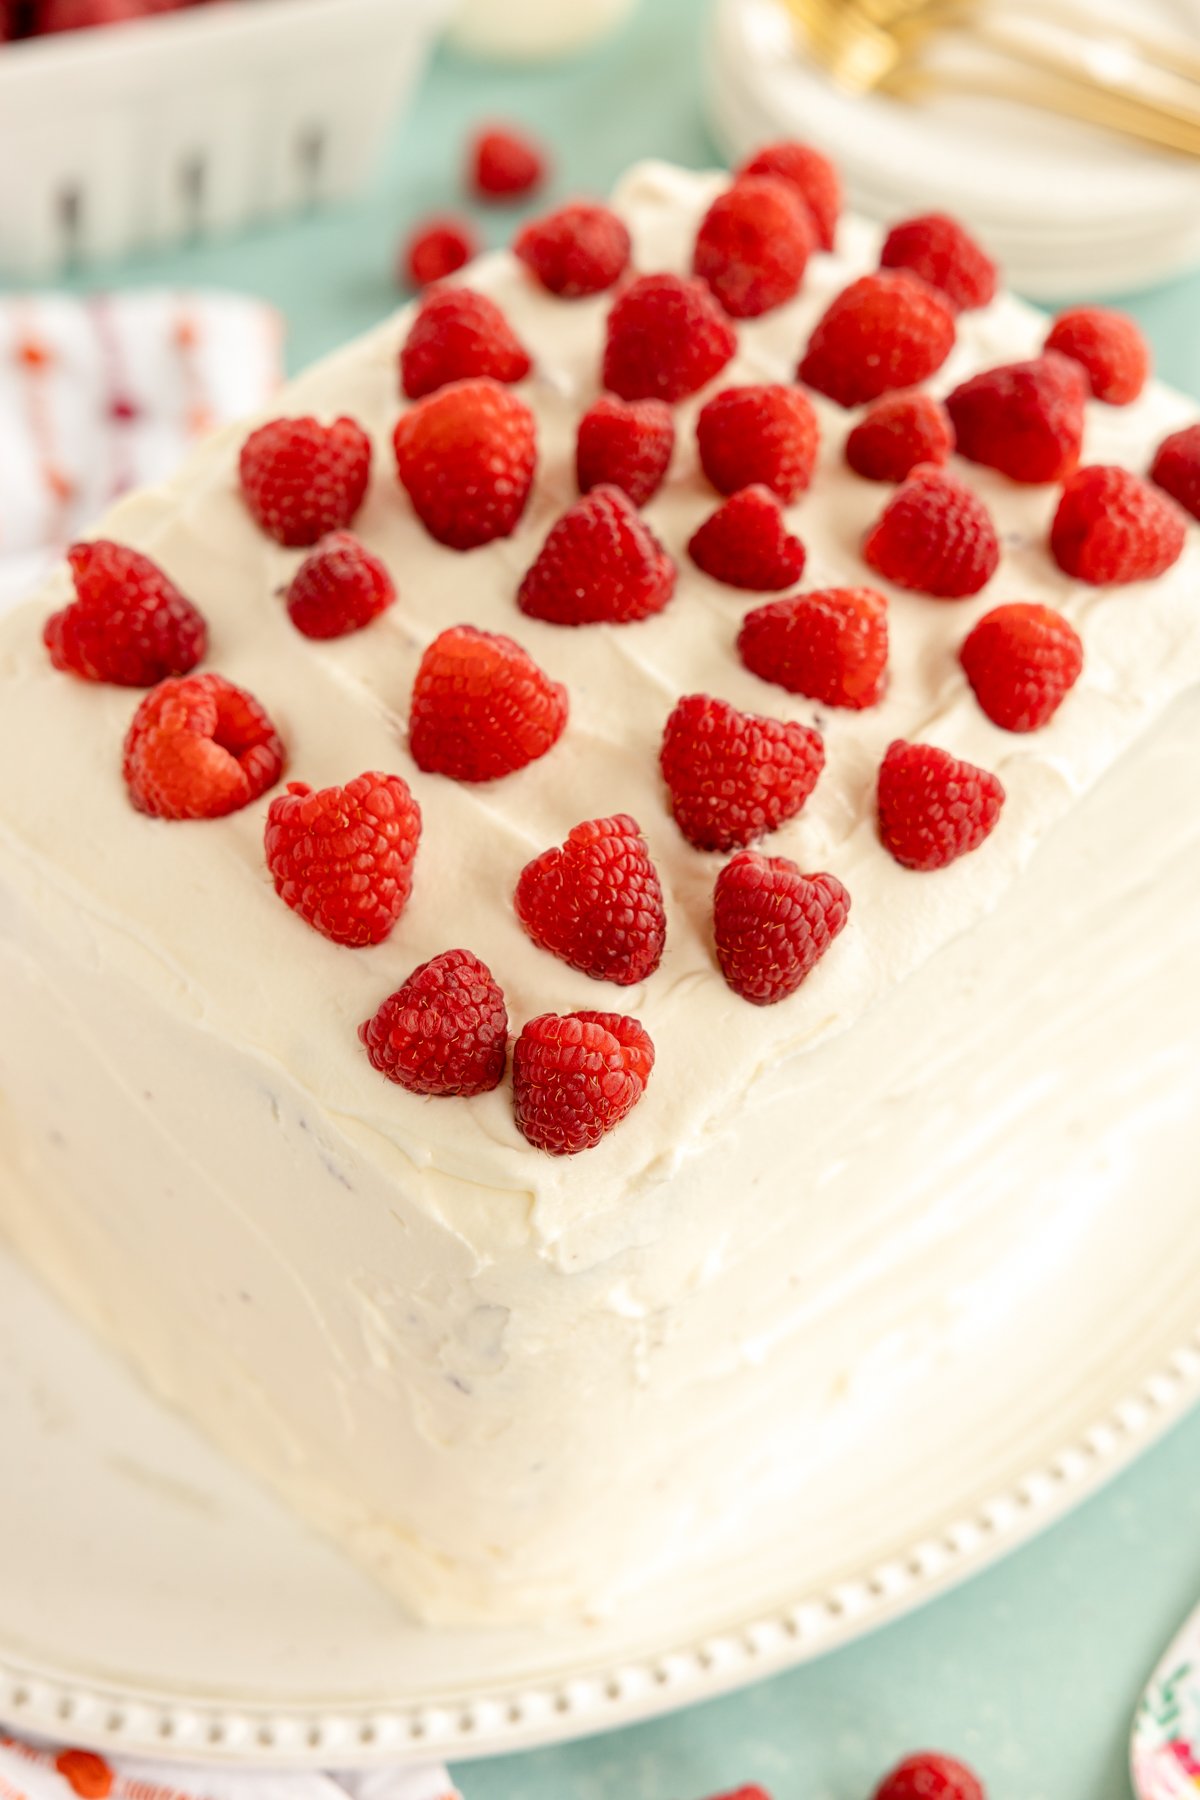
(1031, 1671)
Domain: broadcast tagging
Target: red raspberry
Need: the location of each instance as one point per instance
(1176, 468)
(831, 645)
(900, 431)
(577, 1075)
(580, 249)
(78, 15)
(198, 748)
(504, 164)
(753, 245)
(1025, 419)
(456, 335)
(943, 253)
(625, 444)
(339, 587)
(666, 339)
(597, 902)
(928, 1776)
(936, 536)
(466, 455)
(600, 563)
(1112, 526)
(734, 776)
(342, 857)
(302, 479)
(444, 1030)
(129, 624)
(811, 174)
(1109, 348)
(746, 543)
(883, 331)
(87, 1774)
(1022, 661)
(481, 707)
(435, 249)
(767, 435)
(772, 925)
(933, 808)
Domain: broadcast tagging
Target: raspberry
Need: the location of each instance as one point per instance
(812, 175)
(942, 252)
(580, 249)
(1176, 468)
(198, 748)
(1022, 661)
(444, 1030)
(1112, 526)
(1108, 347)
(753, 245)
(87, 1774)
(435, 249)
(746, 543)
(772, 925)
(625, 444)
(900, 431)
(77, 15)
(600, 563)
(466, 456)
(456, 335)
(883, 331)
(666, 339)
(339, 587)
(575, 1076)
(933, 808)
(481, 707)
(734, 776)
(129, 624)
(342, 857)
(767, 435)
(831, 645)
(504, 164)
(928, 1776)
(301, 479)
(1025, 419)
(936, 536)
(597, 902)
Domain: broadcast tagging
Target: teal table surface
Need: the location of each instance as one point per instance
(1031, 1670)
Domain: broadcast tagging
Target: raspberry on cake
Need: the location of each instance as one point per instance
(831, 644)
(600, 563)
(898, 433)
(746, 543)
(1025, 419)
(625, 444)
(580, 249)
(198, 748)
(1022, 661)
(666, 339)
(1111, 526)
(772, 924)
(935, 536)
(339, 587)
(578, 1076)
(933, 807)
(301, 479)
(444, 1031)
(942, 252)
(128, 624)
(434, 249)
(457, 335)
(342, 857)
(735, 776)
(466, 456)
(1176, 468)
(596, 902)
(1108, 347)
(753, 245)
(765, 436)
(811, 174)
(481, 707)
(883, 331)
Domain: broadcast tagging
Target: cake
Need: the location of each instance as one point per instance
(517, 1384)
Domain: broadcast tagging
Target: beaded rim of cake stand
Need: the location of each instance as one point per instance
(106, 1719)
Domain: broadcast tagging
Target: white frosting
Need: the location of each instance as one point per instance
(513, 1382)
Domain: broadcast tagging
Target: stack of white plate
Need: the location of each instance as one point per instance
(1067, 209)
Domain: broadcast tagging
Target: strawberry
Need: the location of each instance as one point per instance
(198, 748)
(772, 925)
(481, 707)
(504, 163)
(898, 432)
(466, 456)
(456, 335)
(666, 338)
(1108, 347)
(1176, 468)
(1025, 419)
(596, 902)
(577, 1075)
(128, 624)
(600, 563)
(734, 776)
(443, 1031)
(765, 435)
(812, 175)
(339, 587)
(434, 249)
(831, 645)
(936, 536)
(753, 245)
(929, 1776)
(581, 249)
(1111, 526)
(943, 253)
(933, 808)
(1022, 661)
(342, 857)
(301, 479)
(883, 331)
(746, 543)
(625, 444)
